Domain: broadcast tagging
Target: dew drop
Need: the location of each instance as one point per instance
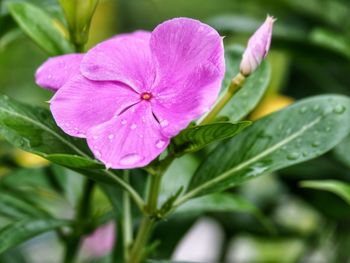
(108, 165)
(130, 159)
(123, 122)
(339, 109)
(315, 144)
(303, 109)
(328, 128)
(160, 144)
(49, 76)
(98, 154)
(315, 108)
(133, 126)
(293, 156)
(111, 136)
(305, 154)
(164, 123)
(141, 135)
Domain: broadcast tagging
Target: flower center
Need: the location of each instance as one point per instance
(146, 96)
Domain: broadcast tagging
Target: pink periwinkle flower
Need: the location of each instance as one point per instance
(258, 47)
(130, 94)
(100, 242)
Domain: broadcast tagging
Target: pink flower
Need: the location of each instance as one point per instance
(258, 47)
(100, 242)
(133, 92)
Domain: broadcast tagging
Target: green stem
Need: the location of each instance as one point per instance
(127, 220)
(73, 241)
(127, 187)
(139, 247)
(235, 85)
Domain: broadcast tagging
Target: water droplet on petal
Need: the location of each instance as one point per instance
(95, 137)
(293, 156)
(108, 165)
(123, 122)
(49, 76)
(133, 126)
(164, 123)
(160, 144)
(111, 136)
(141, 135)
(97, 154)
(130, 159)
(339, 109)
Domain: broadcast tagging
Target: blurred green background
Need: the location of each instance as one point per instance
(310, 55)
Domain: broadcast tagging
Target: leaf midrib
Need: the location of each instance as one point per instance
(243, 165)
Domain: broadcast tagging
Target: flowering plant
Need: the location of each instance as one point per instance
(133, 109)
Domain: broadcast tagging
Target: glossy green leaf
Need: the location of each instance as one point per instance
(296, 134)
(195, 138)
(246, 99)
(18, 232)
(39, 26)
(337, 187)
(33, 129)
(342, 151)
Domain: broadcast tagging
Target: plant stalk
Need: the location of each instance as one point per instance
(235, 85)
(127, 220)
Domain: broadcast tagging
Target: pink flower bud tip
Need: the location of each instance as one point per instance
(258, 47)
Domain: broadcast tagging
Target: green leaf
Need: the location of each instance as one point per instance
(342, 151)
(18, 232)
(223, 202)
(33, 129)
(296, 134)
(336, 187)
(14, 207)
(39, 26)
(195, 138)
(246, 99)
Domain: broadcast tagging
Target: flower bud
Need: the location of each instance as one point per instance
(258, 47)
(79, 14)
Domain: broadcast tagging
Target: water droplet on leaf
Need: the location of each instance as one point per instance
(293, 156)
(303, 109)
(339, 109)
(315, 144)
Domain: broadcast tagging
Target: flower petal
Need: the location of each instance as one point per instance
(176, 107)
(131, 140)
(125, 58)
(191, 66)
(56, 71)
(81, 104)
(181, 44)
